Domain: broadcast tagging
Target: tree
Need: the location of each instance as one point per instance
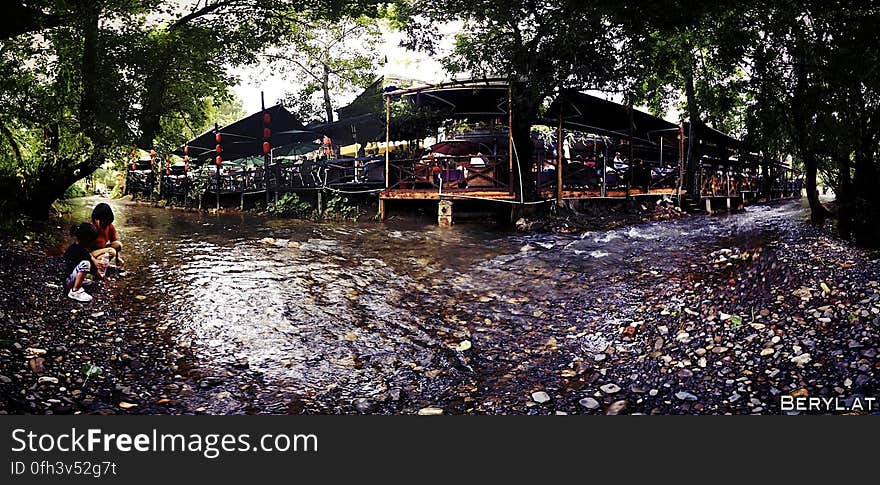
(327, 60)
(540, 46)
(86, 80)
(678, 49)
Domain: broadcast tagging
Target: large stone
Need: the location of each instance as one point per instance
(610, 388)
(540, 397)
(589, 403)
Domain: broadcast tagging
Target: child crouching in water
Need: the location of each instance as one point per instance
(78, 261)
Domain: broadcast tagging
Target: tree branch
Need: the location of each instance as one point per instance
(9, 136)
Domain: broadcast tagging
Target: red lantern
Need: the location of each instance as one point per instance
(267, 133)
(266, 118)
(134, 166)
(435, 169)
(186, 166)
(266, 147)
(186, 149)
(219, 160)
(152, 153)
(186, 158)
(219, 149)
(218, 137)
(167, 171)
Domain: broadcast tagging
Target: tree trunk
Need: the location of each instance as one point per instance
(811, 166)
(844, 196)
(693, 157)
(801, 122)
(325, 87)
(525, 112)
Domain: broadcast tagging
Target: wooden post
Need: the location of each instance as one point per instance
(681, 167)
(266, 156)
(387, 141)
(632, 162)
(218, 163)
(559, 156)
(510, 141)
(604, 191)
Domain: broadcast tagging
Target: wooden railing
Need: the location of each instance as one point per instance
(461, 173)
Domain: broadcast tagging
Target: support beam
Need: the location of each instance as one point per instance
(444, 213)
(559, 158)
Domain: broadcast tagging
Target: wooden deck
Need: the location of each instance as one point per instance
(609, 194)
(432, 194)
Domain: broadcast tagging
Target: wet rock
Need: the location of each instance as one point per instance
(616, 408)
(5, 380)
(589, 403)
(47, 380)
(209, 382)
(685, 396)
(540, 397)
(363, 405)
(610, 388)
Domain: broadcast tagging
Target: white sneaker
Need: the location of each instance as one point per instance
(80, 295)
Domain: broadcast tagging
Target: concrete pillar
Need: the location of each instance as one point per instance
(382, 210)
(728, 204)
(708, 205)
(444, 213)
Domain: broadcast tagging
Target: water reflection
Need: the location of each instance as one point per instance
(316, 307)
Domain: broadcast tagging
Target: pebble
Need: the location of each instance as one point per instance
(48, 380)
(589, 403)
(685, 396)
(616, 408)
(430, 411)
(363, 405)
(610, 388)
(540, 397)
(802, 359)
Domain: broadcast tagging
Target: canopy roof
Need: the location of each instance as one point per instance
(244, 137)
(362, 129)
(588, 113)
(475, 99)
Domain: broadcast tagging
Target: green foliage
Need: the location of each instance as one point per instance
(341, 208)
(74, 191)
(326, 61)
(290, 205)
(99, 78)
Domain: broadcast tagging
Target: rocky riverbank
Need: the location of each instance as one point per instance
(701, 315)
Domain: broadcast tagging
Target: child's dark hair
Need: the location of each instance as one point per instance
(84, 232)
(102, 212)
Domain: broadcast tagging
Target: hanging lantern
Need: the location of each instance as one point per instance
(167, 171)
(186, 149)
(219, 160)
(267, 133)
(218, 137)
(266, 147)
(134, 166)
(266, 118)
(219, 149)
(186, 166)
(186, 158)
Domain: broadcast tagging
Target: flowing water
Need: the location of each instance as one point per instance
(290, 315)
